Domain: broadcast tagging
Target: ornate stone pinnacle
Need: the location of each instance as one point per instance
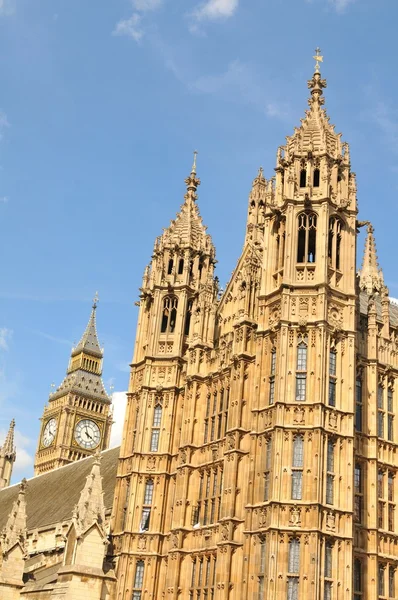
(318, 58)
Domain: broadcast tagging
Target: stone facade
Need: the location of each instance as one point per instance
(259, 448)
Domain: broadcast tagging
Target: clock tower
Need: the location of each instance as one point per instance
(76, 421)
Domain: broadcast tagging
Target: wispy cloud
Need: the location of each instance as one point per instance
(239, 82)
(341, 5)
(215, 9)
(119, 403)
(5, 336)
(133, 25)
(7, 7)
(52, 338)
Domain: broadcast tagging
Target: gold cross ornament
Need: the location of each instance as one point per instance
(318, 58)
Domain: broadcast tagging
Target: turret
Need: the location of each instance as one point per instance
(370, 275)
(13, 549)
(7, 457)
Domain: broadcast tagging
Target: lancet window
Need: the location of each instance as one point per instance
(297, 467)
(293, 569)
(261, 575)
(126, 502)
(216, 418)
(390, 414)
(328, 571)
(358, 579)
(390, 500)
(170, 267)
(380, 410)
(301, 370)
(332, 377)
(317, 177)
(381, 499)
(334, 243)
(207, 510)
(280, 245)
(267, 471)
(272, 377)
(155, 433)
(303, 178)
(138, 580)
(358, 492)
(330, 472)
(188, 317)
(203, 577)
(169, 314)
(358, 404)
(306, 246)
(181, 266)
(147, 505)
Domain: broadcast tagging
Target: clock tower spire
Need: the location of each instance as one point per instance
(77, 420)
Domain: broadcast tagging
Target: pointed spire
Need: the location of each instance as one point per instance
(89, 341)
(91, 509)
(8, 448)
(15, 528)
(192, 181)
(370, 275)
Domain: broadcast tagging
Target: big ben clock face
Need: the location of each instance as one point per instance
(87, 434)
(49, 433)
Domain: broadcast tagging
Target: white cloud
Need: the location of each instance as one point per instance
(240, 83)
(146, 5)
(130, 27)
(119, 403)
(7, 7)
(5, 336)
(341, 5)
(216, 9)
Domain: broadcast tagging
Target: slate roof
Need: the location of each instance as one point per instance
(51, 497)
(89, 341)
(82, 382)
(363, 307)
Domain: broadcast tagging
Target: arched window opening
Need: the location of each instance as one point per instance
(169, 315)
(252, 204)
(181, 266)
(301, 370)
(303, 178)
(201, 265)
(188, 317)
(306, 245)
(297, 467)
(191, 268)
(334, 242)
(170, 267)
(316, 177)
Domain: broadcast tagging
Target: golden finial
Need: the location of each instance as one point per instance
(318, 58)
(95, 300)
(195, 153)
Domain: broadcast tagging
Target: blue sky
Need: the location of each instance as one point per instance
(102, 103)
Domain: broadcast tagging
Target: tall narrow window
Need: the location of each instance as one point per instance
(267, 472)
(293, 569)
(358, 493)
(303, 178)
(206, 428)
(272, 377)
(146, 510)
(381, 584)
(380, 411)
(306, 248)
(181, 266)
(188, 317)
(358, 404)
(391, 501)
(138, 580)
(316, 177)
(334, 244)
(390, 415)
(126, 503)
(169, 314)
(301, 371)
(380, 502)
(170, 267)
(328, 583)
(219, 415)
(332, 377)
(261, 576)
(157, 418)
(391, 582)
(330, 473)
(357, 579)
(297, 467)
(203, 577)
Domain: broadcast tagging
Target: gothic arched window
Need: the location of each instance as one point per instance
(138, 580)
(170, 267)
(303, 178)
(301, 370)
(155, 434)
(188, 316)
(334, 243)
(297, 467)
(181, 266)
(316, 177)
(169, 315)
(306, 246)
